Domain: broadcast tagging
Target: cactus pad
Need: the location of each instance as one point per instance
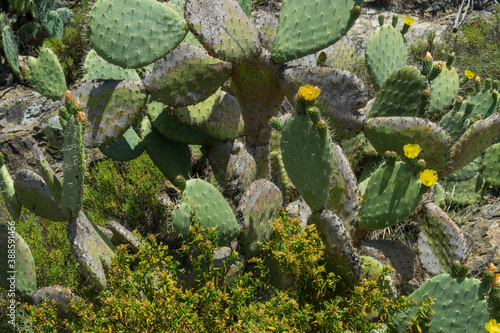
(10, 50)
(199, 113)
(303, 28)
(47, 76)
(163, 120)
(8, 192)
(400, 95)
(459, 305)
(223, 29)
(225, 122)
(132, 34)
(172, 158)
(385, 52)
(95, 67)
(110, 107)
(440, 242)
(16, 269)
(127, 147)
(392, 133)
(202, 203)
(53, 25)
(492, 160)
(186, 76)
(392, 194)
(308, 159)
(444, 89)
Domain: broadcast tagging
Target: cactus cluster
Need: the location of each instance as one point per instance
(169, 75)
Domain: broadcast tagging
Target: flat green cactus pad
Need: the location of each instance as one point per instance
(492, 160)
(33, 193)
(127, 147)
(465, 192)
(223, 29)
(17, 267)
(266, 24)
(225, 122)
(440, 242)
(199, 113)
(392, 193)
(400, 95)
(465, 173)
(459, 305)
(10, 50)
(455, 123)
(133, 34)
(444, 88)
(308, 159)
(53, 25)
(8, 192)
(21, 6)
(47, 76)
(484, 104)
(110, 107)
(91, 247)
(385, 52)
(473, 143)
(309, 26)
(186, 76)
(163, 120)
(392, 133)
(172, 158)
(95, 67)
(202, 203)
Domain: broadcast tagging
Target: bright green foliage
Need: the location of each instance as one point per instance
(303, 28)
(125, 41)
(391, 195)
(308, 159)
(47, 76)
(17, 267)
(459, 305)
(10, 49)
(400, 95)
(202, 203)
(385, 52)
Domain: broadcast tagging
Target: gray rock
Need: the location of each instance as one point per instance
(62, 296)
(299, 210)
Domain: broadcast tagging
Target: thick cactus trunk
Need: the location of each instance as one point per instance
(260, 98)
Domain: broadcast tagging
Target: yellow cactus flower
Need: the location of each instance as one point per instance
(309, 93)
(412, 150)
(428, 177)
(469, 74)
(408, 20)
(492, 326)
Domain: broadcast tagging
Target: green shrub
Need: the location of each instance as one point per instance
(146, 292)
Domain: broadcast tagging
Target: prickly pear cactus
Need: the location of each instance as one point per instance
(202, 203)
(459, 306)
(17, 267)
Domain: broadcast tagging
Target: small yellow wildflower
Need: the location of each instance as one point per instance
(428, 177)
(492, 326)
(309, 93)
(412, 150)
(408, 20)
(469, 74)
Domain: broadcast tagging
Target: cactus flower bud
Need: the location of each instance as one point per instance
(321, 58)
(451, 59)
(322, 128)
(427, 64)
(381, 19)
(491, 268)
(408, 21)
(428, 56)
(276, 124)
(394, 20)
(442, 55)
(435, 71)
(356, 11)
(496, 281)
(68, 97)
(412, 150)
(494, 95)
(426, 94)
(80, 117)
(390, 156)
(428, 177)
(477, 79)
